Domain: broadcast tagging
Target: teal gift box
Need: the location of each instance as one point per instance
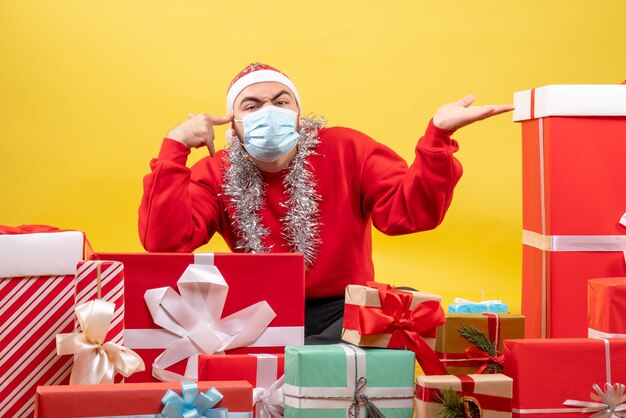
(342, 380)
(464, 306)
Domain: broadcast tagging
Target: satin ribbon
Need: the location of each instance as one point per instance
(193, 404)
(195, 316)
(487, 402)
(610, 403)
(96, 362)
(268, 397)
(476, 354)
(405, 325)
(269, 402)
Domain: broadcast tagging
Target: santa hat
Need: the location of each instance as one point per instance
(257, 73)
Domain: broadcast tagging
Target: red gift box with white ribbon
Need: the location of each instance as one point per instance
(37, 266)
(557, 375)
(263, 371)
(573, 177)
(181, 305)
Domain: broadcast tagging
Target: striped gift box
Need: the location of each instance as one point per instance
(34, 307)
(103, 280)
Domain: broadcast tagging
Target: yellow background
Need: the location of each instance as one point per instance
(89, 88)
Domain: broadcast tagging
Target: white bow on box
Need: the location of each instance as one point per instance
(95, 361)
(269, 402)
(195, 316)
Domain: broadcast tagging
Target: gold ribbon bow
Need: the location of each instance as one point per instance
(610, 403)
(95, 362)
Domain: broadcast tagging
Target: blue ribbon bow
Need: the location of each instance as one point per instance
(193, 404)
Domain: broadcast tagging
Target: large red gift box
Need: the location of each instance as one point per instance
(277, 279)
(131, 399)
(548, 372)
(262, 371)
(607, 307)
(33, 309)
(573, 176)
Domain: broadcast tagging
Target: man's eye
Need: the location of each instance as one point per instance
(282, 102)
(251, 107)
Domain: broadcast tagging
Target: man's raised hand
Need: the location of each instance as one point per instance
(197, 131)
(459, 114)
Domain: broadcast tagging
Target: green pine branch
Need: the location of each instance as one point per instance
(455, 406)
(480, 341)
(452, 404)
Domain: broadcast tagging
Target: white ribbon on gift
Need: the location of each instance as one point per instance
(268, 397)
(342, 398)
(195, 317)
(566, 243)
(594, 333)
(607, 356)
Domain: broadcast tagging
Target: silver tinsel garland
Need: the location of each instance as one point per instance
(244, 188)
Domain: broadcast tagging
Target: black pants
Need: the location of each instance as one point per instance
(323, 320)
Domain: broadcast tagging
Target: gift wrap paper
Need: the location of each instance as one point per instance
(547, 372)
(477, 307)
(132, 399)
(260, 370)
(573, 177)
(33, 309)
(607, 307)
(252, 278)
(365, 296)
(320, 380)
(492, 391)
(451, 345)
(103, 280)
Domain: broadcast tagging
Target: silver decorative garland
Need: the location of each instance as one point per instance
(244, 187)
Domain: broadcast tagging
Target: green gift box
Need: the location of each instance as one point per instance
(339, 381)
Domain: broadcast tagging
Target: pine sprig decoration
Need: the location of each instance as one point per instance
(480, 341)
(452, 404)
(455, 406)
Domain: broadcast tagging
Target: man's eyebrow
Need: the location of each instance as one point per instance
(257, 100)
(280, 93)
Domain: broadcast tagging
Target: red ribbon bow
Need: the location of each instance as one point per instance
(476, 354)
(405, 325)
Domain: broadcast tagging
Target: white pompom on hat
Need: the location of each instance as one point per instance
(257, 73)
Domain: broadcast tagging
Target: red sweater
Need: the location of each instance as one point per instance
(361, 182)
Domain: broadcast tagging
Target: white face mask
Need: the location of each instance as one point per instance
(270, 132)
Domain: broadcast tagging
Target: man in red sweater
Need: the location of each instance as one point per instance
(287, 183)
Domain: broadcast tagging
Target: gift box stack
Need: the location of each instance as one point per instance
(574, 240)
(170, 335)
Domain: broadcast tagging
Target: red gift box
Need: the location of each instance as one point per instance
(275, 278)
(262, 371)
(33, 309)
(607, 307)
(548, 372)
(130, 399)
(573, 176)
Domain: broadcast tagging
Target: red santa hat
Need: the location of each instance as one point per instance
(257, 73)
